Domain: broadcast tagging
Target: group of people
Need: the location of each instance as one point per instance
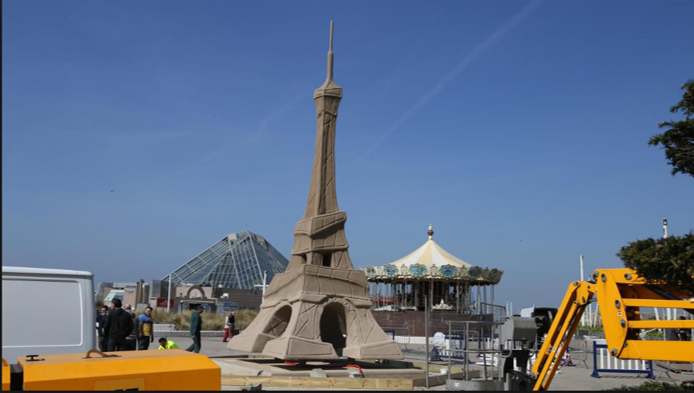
(119, 329)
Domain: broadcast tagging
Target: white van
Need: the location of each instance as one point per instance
(46, 311)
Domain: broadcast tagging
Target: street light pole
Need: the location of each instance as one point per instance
(426, 335)
(583, 317)
(168, 299)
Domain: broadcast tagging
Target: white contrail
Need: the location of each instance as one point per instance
(462, 65)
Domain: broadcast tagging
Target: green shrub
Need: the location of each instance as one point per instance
(244, 317)
(655, 386)
(210, 322)
(591, 330)
(655, 334)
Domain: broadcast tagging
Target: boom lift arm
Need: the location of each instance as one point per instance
(620, 295)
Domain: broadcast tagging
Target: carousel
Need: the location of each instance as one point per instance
(449, 282)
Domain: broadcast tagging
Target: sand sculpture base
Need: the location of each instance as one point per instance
(326, 316)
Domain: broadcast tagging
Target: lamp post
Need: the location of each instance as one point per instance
(583, 317)
(168, 299)
(426, 335)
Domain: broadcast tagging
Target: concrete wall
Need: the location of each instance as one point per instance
(129, 297)
(183, 291)
(246, 298)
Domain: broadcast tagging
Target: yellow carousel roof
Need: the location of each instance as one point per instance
(430, 254)
(430, 261)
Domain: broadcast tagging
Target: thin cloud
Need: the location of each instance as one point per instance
(262, 128)
(488, 43)
(145, 137)
(224, 147)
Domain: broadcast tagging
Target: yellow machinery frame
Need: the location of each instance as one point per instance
(173, 369)
(620, 295)
(5, 375)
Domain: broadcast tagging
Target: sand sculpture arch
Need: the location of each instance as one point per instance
(333, 326)
(279, 321)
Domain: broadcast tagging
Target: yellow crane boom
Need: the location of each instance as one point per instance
(620, 294)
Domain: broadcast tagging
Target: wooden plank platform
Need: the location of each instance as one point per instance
(243, 371)
(325, 383)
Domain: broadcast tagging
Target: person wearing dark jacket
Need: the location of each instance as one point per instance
(118, 326)
(100, 321)
(131, 340)
(195, 329)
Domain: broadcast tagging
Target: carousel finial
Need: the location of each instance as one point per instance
(430, 232)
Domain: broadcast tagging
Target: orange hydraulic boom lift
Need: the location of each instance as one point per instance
(621, 294)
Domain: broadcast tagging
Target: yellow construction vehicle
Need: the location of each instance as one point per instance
(130, 370)
(621, 294)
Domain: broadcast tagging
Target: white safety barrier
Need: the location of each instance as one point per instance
(493, 360)
(164, 328)
(604, 362)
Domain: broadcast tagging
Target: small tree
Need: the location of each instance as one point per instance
(678, 139)
(669, 260)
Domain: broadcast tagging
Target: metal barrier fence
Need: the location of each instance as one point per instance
(400, 335)
(604, 362)
(164, 328)
(478, 339)
(579, 354)
(456, 341)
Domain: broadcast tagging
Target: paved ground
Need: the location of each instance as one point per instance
(570, 378)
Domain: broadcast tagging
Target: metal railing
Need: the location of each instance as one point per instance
(164, 328)
(482, 345)
(401, 335)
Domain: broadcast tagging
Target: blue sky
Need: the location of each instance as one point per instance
(137, 133)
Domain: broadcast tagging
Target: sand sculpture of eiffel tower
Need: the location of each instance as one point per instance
(319, 308)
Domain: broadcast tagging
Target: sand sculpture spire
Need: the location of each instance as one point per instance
(330, 56)
(322, 198)
(319, 237)
(319, 308)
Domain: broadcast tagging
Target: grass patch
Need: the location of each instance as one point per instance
(210, 322)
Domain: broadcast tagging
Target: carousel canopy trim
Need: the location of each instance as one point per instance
(475, 275)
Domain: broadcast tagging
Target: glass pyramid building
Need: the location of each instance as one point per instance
(239, 260)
